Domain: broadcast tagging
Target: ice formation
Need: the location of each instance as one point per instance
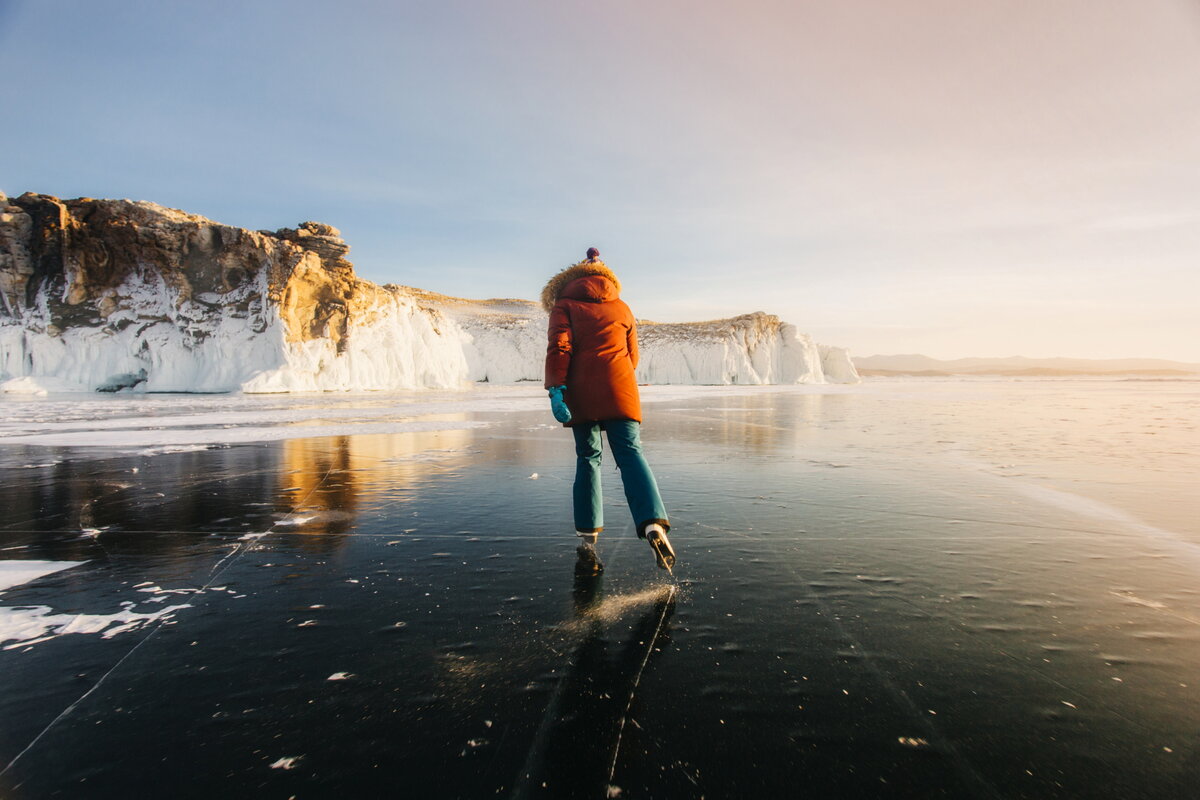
(506, 342)
(111, 295)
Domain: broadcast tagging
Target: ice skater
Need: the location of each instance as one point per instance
(590, 363)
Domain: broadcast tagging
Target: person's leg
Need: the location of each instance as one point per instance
(641, 490)
(586, 493)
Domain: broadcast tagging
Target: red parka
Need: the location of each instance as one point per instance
(592, 344)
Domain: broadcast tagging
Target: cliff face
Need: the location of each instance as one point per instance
(753, 348)
(112, 293)
(507, 342)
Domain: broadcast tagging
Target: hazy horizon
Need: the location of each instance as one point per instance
(1038, 359)
(938, 178)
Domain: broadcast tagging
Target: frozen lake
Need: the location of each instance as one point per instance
(899, 589)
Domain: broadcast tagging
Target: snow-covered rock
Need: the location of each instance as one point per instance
(504, 340)
(753, 348)
(508, 343)
(111, 295)
(837, 365)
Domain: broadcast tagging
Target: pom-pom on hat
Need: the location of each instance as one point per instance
(593, 254)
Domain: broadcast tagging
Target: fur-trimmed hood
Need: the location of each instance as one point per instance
(555, 286)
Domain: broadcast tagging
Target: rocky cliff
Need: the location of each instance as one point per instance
(114, 294)
(105, 294)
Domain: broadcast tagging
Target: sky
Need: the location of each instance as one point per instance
(990, 178)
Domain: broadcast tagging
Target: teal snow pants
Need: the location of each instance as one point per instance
(641, 491)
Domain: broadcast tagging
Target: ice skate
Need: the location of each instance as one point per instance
(664, 554)
(587, 561)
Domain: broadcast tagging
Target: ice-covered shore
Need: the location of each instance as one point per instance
(504, 342)
(112, 295)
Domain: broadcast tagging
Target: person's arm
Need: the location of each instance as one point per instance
(631, 341)
(558, 348)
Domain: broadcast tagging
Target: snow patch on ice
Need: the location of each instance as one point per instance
(29, 625)
(295, 521)
(176, 448)
(14, 572)
(41, 385)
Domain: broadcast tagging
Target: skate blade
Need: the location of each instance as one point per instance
(587, 561)
(664, 554)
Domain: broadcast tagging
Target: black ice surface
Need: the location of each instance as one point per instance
(838, 625)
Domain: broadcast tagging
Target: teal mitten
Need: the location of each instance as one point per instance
(558, 405)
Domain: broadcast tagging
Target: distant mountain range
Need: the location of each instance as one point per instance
(920, 365)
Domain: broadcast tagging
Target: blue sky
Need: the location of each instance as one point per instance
(955, 179)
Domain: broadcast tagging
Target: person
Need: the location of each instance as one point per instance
(591, 358)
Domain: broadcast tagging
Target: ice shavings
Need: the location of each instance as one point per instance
(158, 590)
(14, 572)
(912, 741)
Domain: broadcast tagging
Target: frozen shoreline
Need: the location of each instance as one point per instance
(996, 426)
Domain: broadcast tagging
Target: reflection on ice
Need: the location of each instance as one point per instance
(576, 748)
